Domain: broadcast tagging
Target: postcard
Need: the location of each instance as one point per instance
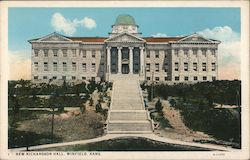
(124, 80)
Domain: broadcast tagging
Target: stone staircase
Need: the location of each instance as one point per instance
(127, 113)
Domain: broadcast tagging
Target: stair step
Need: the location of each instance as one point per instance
(129, 126)
(128, 115)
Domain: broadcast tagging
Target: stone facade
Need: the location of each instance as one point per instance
(171, 59)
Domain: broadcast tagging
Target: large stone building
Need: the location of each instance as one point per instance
(124, 51)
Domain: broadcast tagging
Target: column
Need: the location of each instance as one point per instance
(141, 60)
(108, 60)
(119, 60)
(131, 60)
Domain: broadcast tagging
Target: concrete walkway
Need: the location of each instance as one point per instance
(114, 136)
(127, 113)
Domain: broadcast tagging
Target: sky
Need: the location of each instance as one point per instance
(218, 23)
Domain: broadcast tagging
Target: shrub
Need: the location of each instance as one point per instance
(172, 102)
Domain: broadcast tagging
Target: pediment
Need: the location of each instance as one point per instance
(125, 37)
(54, 37)
(195, 38)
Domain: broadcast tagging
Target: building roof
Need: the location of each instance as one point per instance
(125, 19)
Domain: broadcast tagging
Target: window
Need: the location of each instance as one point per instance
(157, 54)
(176, 52)
(195, 51)
(36, 77)
(54, 77)
(213, 52)
(64, 66)
(64, 52)
(93, 67)
(148, 54)
(136, 68)
(166, 78)
(45, 65)
(93, 54)
(176, 66)
(36, 66)
(166, 67)
(148, 78)
(102, 54)
(204, 78)
(213, 67)
(83, 78)
(157, 78)
(148, 67)
(36, 52)
(203, 52)
(92, 78)
(73, 77)
(177, 78)
(45, 77)
(204, 67)
(185, 66)
(55, 52)
(46, 52)
(186, 78)
(166, 53)
(113, 67)
(102, 67)
(195, 78)
(84, 67)
(157, 67)
(186, 52)
(74, 52)
(113, 54)
(64, 77)
(84, 55)
(213, 78)
(55, 66)
(195, 66)
(73, 66)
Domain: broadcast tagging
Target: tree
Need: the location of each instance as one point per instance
(91, 101)
(158, 106)
(98, 107)
(149, 94)
(83, 108)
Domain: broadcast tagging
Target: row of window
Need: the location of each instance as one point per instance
(83, 53)
(176, 53)
(186, 78)
(65, 66)
(195, 67)
(62, 78)
(186, 67)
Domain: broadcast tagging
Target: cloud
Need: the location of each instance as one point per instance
(19, 67)
(228, 51)
(159, 35)
(68, 27)
(224, 34)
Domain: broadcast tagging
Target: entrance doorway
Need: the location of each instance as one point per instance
(125, 69)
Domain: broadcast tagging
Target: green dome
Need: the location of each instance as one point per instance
(125, 19)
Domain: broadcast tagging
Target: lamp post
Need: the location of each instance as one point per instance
(53, 95)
